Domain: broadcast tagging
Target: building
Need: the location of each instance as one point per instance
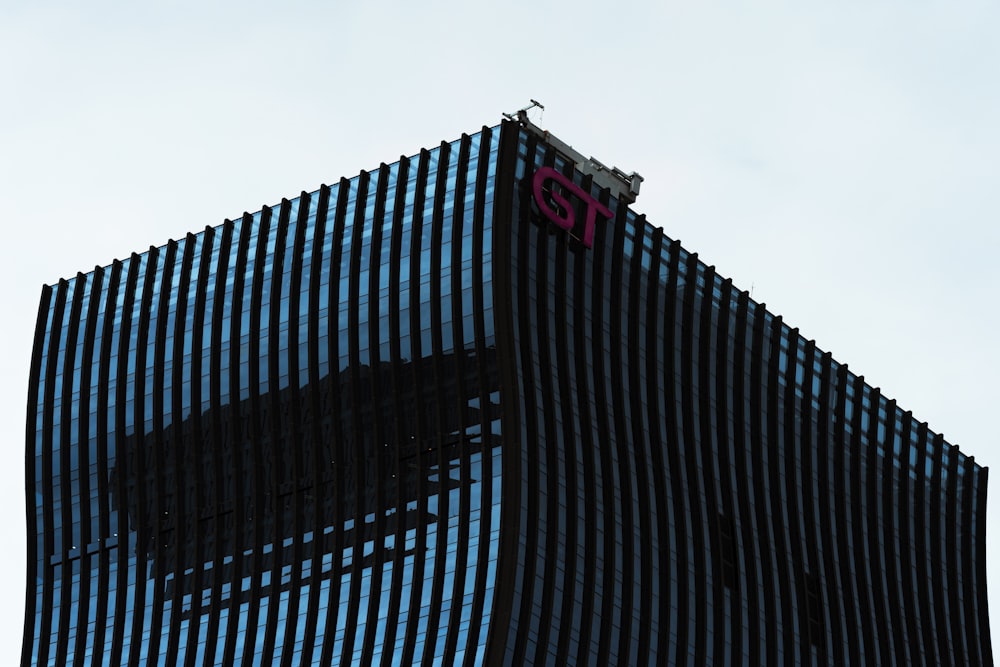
(469, 408)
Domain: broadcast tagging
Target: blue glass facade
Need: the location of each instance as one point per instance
(276, 441)
(288, 439)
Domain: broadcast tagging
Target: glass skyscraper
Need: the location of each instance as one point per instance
(469, 408)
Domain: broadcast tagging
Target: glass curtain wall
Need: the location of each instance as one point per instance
(276, 441)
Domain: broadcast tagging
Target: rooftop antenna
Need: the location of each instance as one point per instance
(522, 114)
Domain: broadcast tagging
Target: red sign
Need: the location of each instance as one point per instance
(566, 217)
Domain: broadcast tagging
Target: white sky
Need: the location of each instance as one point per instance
(841, 159)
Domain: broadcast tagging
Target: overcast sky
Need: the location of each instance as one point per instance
(842, 160)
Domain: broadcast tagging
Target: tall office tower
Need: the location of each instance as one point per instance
(469, 408)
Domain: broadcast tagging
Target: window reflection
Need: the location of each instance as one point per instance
(243, 496)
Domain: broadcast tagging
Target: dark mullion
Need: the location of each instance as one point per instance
(595, 506)
(398, 434)
(808, 470)
(688, 407)
(334, 445)
(158, 505)
(604, 280)
(66, 559)
(921, 571)
(484, 386)
(358, 436)
(745, 440)
(31, 490)
(256, 419)
(959, 561)
(705, 459)
(937, 561)
(436, 426)
(952, 569)
(567, 264)
(728, 515)
(121, 458)
(805, 467)
(794, 433)
(182, 555)
(642, 432)
(103, 472)
(528, 430)
(864, 572)
(461, 398)
(145, 534)
(502, 625)
(216, 445)
(589, 450)
(543, 437)
(658, 443)
(613, 237)
(905, 560)
(775, 444)
(420, 543)
(735, 510)
(240, 539)
(882, 619)
(48, 501)
(198, 460)
(969, 592)
(294, 433)
(205, 439)
(86, 455)
(274, 420)
(671, 331)
(826, 548)
(981, 597)
(315, 461)
(379, 440)
(760, 377)
(890, 487)
(840, 511)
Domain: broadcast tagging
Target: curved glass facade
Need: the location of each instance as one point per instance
(700, 484)
(276, 441)
(287, 440)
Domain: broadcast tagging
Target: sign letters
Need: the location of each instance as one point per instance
(566, 218)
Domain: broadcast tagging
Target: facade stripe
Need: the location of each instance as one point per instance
(159, 513)
(396, 382)
(314, 459)
(242, 549)
(257, 608)
(64, 561)
(748, 530)
(525, 475)
(569, 505)
(920, 573)
(434, 423)
(646, 538)
(487, 408)
(546, 515)
(623, 475)
(417, 424)
(107, 524)
(679, 575)
(181, 524)
(661, 558)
